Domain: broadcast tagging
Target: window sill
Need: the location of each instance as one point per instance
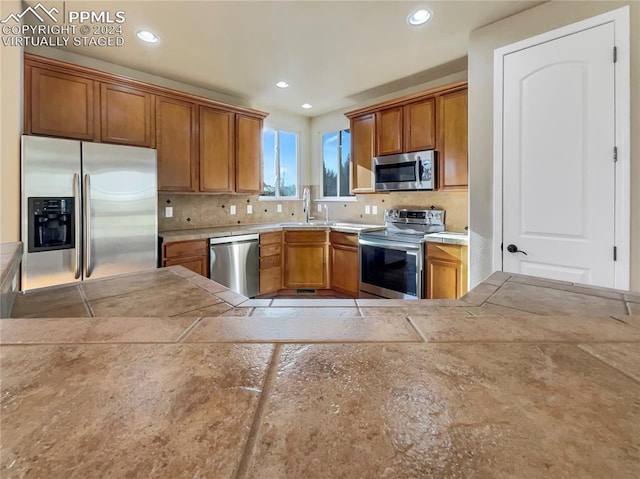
(278, 198)
(336, 199)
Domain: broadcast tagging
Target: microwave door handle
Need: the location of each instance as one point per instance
(420, 171)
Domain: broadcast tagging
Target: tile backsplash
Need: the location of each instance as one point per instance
(202, 211)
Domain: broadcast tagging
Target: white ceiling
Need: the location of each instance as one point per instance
(328, 51)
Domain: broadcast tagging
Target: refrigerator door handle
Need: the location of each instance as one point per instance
(87, 225)
(78, 233)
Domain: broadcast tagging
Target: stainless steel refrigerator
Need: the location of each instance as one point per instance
(89, 210)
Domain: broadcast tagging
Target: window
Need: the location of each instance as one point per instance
(279, 163)
(336, 159)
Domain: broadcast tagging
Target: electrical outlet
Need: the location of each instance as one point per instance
(168, 211)
(232, 209)
(279, 208)
(249, 209)
(367, 209)
(319, 208)
(374, 209)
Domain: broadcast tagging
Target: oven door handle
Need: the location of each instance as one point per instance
(408, 247)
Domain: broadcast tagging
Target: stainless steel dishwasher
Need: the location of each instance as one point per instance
(234, 262)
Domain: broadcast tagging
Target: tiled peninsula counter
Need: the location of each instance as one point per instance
(168, 374)
(10, 259)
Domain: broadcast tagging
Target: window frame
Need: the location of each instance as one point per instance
(277, 196)
(350, 197)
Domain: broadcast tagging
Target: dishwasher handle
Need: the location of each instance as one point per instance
(234, 239)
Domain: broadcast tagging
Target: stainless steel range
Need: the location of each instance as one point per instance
(392, 259)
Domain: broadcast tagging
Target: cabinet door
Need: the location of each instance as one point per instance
(454, 170)
(248, 154)
(305, 266)
(61, 105)
(362, 144)
(127, 116)
(420, 126)
(344, 269)
(177, 145)
(389, 131)
(197, 264)
(216, 150)
(444, 279)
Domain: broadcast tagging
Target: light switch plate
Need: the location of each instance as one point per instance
(232, 209)
(279, 208)
(249, 209)
(374, 209)
(168, 211)
(367, 209)
(319, 208)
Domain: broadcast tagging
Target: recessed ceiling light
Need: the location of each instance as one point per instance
(306, 106)
(419, 17)
(147, 36)
(282, 84)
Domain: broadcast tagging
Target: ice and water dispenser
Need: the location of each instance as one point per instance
(51, 224)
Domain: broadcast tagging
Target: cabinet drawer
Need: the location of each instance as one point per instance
(185, 248)
(346, 239)
(270, 250)
(270, 262)
(271, 238)
(305, 236)
(447, 252)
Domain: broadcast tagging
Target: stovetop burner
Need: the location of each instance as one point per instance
(409, 226)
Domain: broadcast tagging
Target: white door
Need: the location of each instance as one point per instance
(558, 166)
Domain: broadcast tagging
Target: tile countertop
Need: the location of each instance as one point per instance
(219, 231)
(176, 376)
(447, 237)
(10, 257)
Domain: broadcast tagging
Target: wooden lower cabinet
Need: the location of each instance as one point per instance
(193, 255)
(344, 265)
(270, 262)
(306, 260)
(445, 271)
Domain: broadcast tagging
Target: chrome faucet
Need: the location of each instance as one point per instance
(306, 203)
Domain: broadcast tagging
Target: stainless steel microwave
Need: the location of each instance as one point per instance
(408, 171)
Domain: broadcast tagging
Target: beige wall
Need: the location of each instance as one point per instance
(483, 42)
(10, 131)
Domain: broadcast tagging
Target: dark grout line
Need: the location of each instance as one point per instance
(416, 329)
(190, 328)
(245, 458)
(85, 301)
(607, 363)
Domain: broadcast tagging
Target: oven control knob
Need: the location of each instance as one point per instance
(430, 215)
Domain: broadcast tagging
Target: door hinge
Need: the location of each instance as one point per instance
(615, 253)
(615, 54)
(615, 153)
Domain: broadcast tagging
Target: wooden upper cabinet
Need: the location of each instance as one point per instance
(362, 145)
(420, 125)
(453, 118)
(217, 169)
(176, 140)
(61, 105)
(248, 169)
(389, 131)
(127, 116)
